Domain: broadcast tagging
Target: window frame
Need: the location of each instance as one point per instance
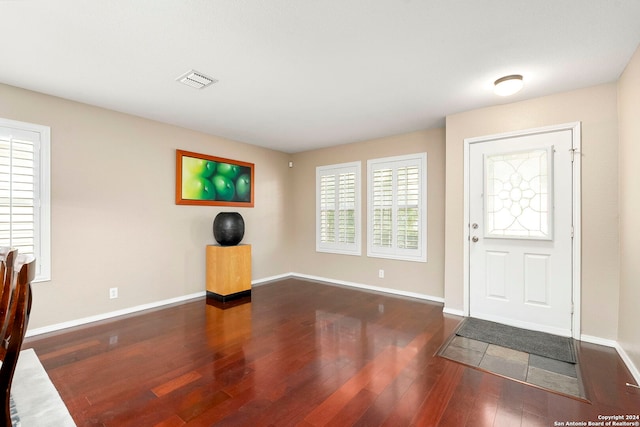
(42, 200)
(394, 163)
(354, 248)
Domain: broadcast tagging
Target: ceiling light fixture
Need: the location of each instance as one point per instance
(196, 79)
(508, 85)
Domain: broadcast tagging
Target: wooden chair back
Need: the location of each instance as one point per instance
(16, 273)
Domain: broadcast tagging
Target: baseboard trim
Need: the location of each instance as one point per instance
(91, 319)
(270, 279)
(633, 369)
(597, 340)
(112, 314)
(453, 312)
(635, 372)
(369, 287)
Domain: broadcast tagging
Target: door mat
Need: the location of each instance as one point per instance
(532, 342)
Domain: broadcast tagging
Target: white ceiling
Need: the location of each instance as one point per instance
(296, 75)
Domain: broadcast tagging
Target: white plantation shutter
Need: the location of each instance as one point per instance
(327, 209)
(397, 207)
(382, 208)
(24, 191)
(338, 208)
(346, 207)
(408, 207)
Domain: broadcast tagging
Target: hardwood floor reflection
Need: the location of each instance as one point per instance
(300, 353)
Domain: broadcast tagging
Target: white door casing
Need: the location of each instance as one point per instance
(522, 226)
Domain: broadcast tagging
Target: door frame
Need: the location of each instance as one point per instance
(576, 283)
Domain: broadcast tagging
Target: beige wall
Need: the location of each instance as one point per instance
(114, 218)
(596, 108)
(413, 277)
(115, 223)
(629, 120)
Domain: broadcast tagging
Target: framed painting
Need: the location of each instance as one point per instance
(213, 181)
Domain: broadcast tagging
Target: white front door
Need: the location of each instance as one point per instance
(520, 230)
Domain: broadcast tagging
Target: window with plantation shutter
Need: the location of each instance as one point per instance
(338, 208)
(24, 191)
(397, 203)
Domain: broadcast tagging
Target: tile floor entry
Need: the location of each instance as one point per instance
(554, 375)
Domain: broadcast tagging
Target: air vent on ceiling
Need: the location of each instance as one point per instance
(196, 79)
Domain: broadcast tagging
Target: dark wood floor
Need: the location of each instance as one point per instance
(303, 354)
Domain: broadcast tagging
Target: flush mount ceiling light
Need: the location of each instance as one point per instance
(508, 85)
(196, 79)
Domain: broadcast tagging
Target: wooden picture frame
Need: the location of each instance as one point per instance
(213, 181)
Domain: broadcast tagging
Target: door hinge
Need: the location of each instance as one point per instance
(572, 231)
(573, 152)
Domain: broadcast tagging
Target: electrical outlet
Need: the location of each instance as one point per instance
(113, 293)
(381, 274)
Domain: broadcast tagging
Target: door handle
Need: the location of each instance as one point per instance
(474, 239)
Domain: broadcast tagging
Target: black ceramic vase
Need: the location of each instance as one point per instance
(228, 228)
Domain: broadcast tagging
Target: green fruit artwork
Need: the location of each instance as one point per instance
(198, 188)
(243, 187)
(210, 168)
(228, 170)
(207, 180)
(193, 165)
(225, 189)
(198, 167)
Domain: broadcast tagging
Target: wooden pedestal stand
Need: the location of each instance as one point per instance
(228, 272)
